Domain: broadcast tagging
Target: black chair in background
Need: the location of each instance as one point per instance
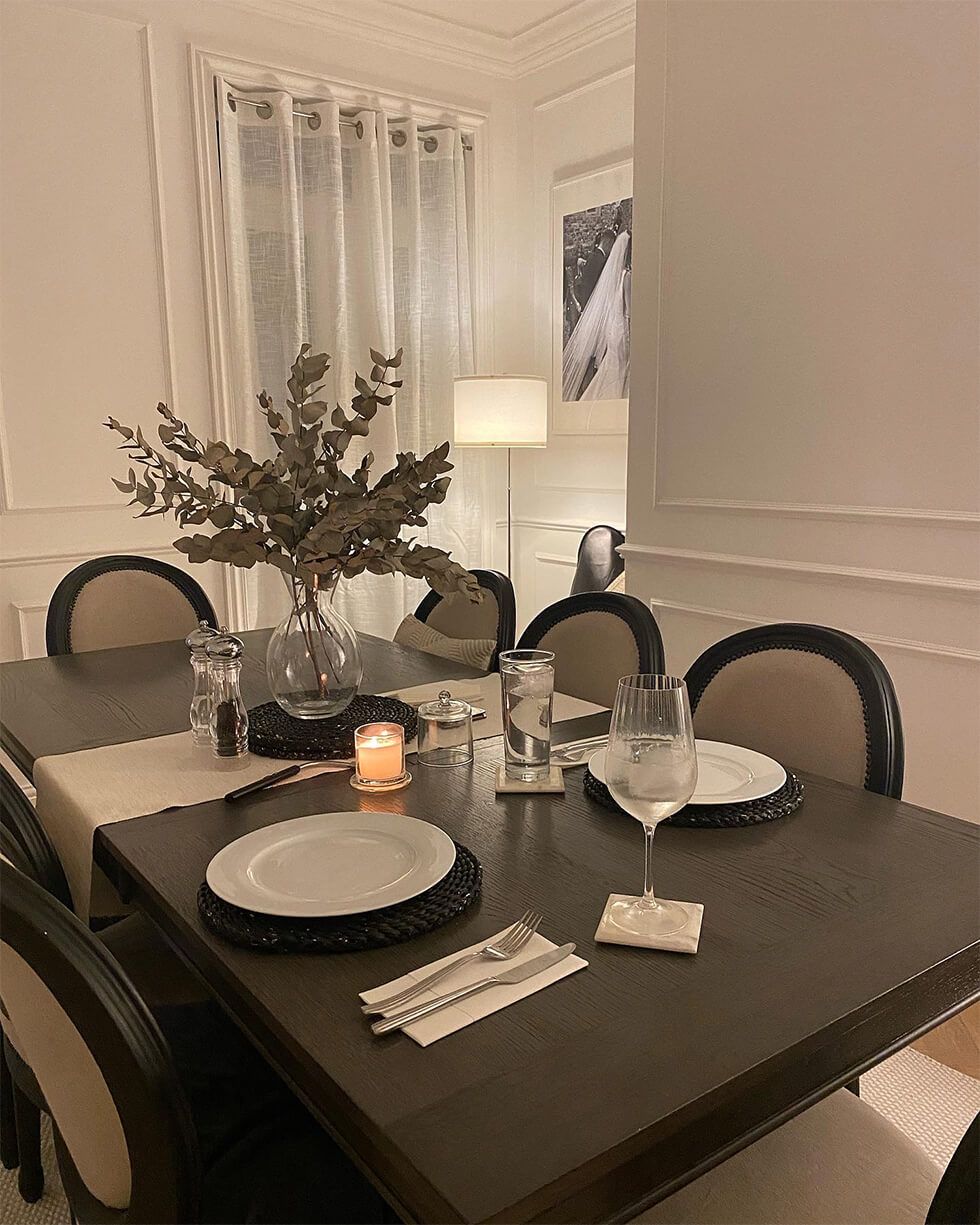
(598, 563)
(456, 628)
(597, 637)
(811, 697)
(123, 601)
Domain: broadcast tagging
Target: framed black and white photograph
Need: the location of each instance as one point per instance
(592, 220)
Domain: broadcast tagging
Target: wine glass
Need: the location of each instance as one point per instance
(651, 771)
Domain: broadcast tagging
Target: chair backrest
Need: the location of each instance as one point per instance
(811, 697)
(123, 601)
(597, 637)
(598, 562)
(126, 1147)
(957, 1198)
(30, 847)
(494, 618)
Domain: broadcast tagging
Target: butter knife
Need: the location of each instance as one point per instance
(518, 974)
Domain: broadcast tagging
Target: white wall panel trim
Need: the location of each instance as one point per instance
(555, 559)
(937, 583)
(42, 559)
(966, 518)
(599, 81)
(729, 614)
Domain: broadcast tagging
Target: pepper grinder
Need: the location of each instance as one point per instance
(197, 641)
(229, 718)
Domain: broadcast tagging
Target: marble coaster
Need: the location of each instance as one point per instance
(684, 941)
(553, 784)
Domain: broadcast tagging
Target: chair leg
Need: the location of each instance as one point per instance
(8, 1124)
(30, 1176)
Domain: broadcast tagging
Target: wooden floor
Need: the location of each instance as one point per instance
(957, 1043)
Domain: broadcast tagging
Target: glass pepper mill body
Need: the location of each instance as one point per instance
(229, 716)
(197, 641)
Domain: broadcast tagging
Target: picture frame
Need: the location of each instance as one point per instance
(589, 212)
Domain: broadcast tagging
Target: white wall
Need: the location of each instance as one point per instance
(103, 299)
(579, 116)
(804, 438)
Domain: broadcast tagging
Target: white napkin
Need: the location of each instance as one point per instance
(430, 1029)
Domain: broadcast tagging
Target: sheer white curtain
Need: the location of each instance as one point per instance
(350, 238)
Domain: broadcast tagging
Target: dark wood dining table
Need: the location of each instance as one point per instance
(830, 939)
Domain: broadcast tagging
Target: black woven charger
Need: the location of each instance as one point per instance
(716, 816)
(273, 733)
(457, 890)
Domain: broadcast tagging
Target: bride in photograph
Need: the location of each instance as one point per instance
(596, 361)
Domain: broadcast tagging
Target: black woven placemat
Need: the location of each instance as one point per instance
(273, 733)
(716, 816)
(457, 890)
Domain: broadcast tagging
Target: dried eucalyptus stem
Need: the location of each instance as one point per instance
(300, 512)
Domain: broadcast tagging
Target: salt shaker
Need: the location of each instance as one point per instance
(445, 732)
(197, 641)
(229, 718)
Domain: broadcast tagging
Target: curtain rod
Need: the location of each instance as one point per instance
(264, 109)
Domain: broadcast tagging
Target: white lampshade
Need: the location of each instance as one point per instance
(501, 410)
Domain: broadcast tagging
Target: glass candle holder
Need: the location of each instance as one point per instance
(379, 755)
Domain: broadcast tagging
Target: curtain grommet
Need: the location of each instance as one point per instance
(430, 144)
(314, 120)
(398, 138)
(359, 130)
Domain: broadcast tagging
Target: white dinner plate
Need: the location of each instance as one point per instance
(727, 773)
(333, 863)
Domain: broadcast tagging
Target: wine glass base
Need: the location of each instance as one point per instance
(674, 926)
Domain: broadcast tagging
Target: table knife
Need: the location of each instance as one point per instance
(288, 772)
(518, 974)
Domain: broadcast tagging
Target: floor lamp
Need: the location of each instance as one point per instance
(501, 410)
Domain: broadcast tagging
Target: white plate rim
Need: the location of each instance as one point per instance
(768, 774)
(233, 888)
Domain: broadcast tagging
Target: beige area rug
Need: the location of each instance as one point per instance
(931, 1103)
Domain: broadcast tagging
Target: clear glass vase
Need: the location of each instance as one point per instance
(313, 661)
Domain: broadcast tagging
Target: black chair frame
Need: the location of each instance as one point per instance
(37, 857)
(580, 582)
(641, 622)
(58, 625)
(129, 1049)
(502, 590)
(884, 742)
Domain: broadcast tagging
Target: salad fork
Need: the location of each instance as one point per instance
(508, 946)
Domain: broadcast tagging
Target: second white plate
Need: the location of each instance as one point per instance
(332, 863)
(727, 773)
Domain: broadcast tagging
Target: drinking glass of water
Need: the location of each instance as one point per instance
(651, 771)
(527, 683)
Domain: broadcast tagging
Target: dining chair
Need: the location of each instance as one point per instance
(811, 697)
(596, 637)
(134, 1135)
(158, 974)
(455, 628)
(123, 601)
(598, 564)
(840, 1162)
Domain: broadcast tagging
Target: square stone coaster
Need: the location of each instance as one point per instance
(684, 941)
(554, 784)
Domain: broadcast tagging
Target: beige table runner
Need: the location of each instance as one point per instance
(78, 792)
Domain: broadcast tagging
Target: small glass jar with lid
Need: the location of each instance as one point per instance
(229, 716)
(197, 641)
(445, 732)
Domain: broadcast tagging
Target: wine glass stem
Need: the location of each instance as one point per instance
(648, 897)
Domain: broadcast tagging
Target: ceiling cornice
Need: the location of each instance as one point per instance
(395, 27)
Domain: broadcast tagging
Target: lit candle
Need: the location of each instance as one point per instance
(379, 751)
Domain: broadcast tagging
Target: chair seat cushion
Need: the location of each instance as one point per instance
(838, 1163)
(477, 652)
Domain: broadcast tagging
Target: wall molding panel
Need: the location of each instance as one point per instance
(966, 518)
(882, 640)
(934, 583)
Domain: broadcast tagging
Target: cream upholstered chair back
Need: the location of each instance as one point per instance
(123, 601)
(813, 698)
(100, 1061)
(454, 627)
(596, 637)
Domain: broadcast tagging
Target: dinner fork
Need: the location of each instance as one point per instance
(508, 946)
